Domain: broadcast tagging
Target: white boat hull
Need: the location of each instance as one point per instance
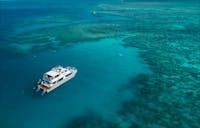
(46, 89)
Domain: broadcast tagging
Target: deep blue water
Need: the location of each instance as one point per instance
(103, 67)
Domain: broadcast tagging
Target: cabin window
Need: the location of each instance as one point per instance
(68, 74)
(48, 76)
(45, 81)
(60, 79)
(56, 76)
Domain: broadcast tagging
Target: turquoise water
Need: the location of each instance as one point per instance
(138, 63)
(103, 67)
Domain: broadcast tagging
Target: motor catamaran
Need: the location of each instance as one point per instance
(54, 78)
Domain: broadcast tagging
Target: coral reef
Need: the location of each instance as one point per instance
(168, 36)
(88, 121)
(65, 35)
(142, 18)
(169, 97)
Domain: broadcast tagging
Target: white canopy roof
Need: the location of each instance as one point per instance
(52, 73)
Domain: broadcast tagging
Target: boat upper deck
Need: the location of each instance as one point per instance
(57, 73)
(56, 77)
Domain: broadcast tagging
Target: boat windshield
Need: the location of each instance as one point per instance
(48, 77)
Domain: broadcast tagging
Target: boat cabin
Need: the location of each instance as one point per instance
(55, 75)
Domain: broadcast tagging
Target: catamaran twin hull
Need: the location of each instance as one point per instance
(54, 78)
